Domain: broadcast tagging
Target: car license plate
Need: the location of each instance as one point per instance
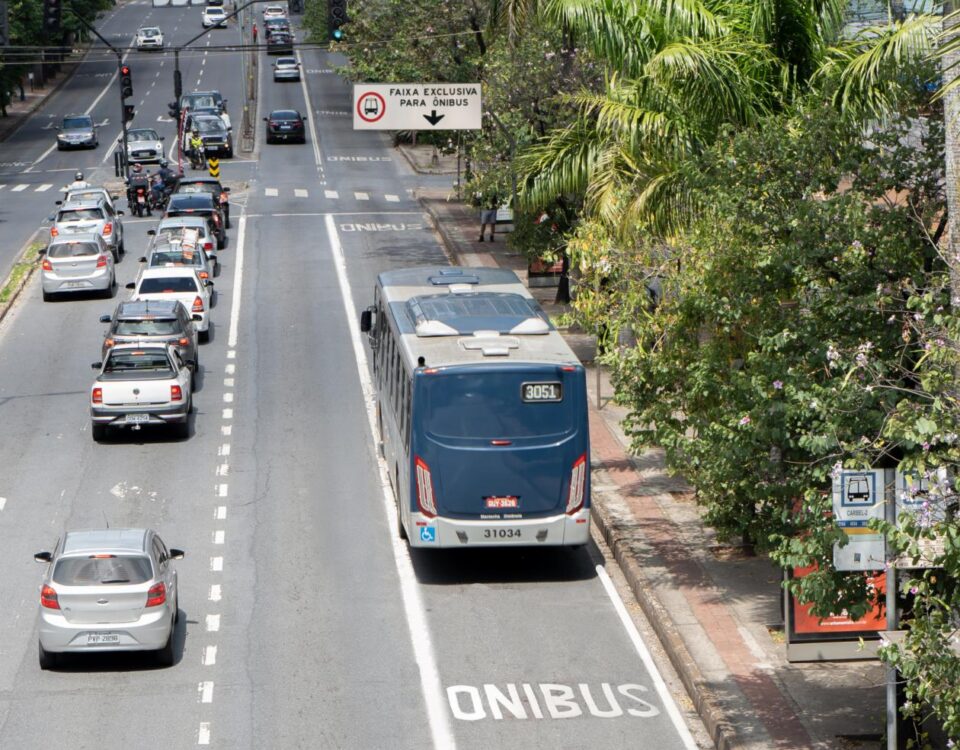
(501, 533)
(136, 418)
(73, 284)
(98, 639)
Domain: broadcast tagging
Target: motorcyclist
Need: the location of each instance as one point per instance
(138, 179)
(167, 175)
(78, 182)
(196, 147)
(158, 189)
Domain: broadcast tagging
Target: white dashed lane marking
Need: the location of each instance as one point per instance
(19, 188)
(209, 656)
(362, 196)
(206, 692)
(216, 564)
(271, 192)
(203, 738)
(331, 194)
(301, 193)
(213, 623)
(392, 198)
(221, 512)
(222, 490)
(228, 413)
(219, 536)
(215, 592)
(43, 188)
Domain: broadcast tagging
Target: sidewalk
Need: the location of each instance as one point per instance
(18, 111)
(715, 610)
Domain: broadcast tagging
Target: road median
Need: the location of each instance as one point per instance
(20, 274)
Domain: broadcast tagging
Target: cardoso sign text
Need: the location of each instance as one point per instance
(416, 106)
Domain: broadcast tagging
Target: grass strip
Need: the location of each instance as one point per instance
(20, 269)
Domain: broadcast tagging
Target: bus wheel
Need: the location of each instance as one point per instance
(401, 531)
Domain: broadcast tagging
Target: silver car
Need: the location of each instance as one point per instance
(171, 229)
(82, 217)
(77, 131)
(176, 253)
(286, 69)
(77, 263)
(144, 145)
(108, 590)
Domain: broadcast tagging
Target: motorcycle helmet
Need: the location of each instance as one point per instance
(78, 176)
(163, 163)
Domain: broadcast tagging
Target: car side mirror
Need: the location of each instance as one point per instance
(163, 137)
(41, 251)
(226, 190)
(152, 232)
(176, 554)
(208, 283)
(59, 203)
(120, 213)
(96, 365)
(366, 320)
(43, 557)
(198, 318)
(105, 318)
(266, 119)
(131, 285)
(142, 260)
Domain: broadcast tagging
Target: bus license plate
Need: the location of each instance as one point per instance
(502, 501)
(98, 639)
(501, 533)
(541, 392)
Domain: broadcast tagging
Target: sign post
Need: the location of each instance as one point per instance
(417, 106)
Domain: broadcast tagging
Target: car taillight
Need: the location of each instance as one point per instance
(425, 498)
(203, 275)
(107, 229)
(102, 261)
(578, 483)
(48, 598)
(274, 124)
(47, 266)
(54, 231)
(157, 595)
(208, 246)
(108, 342)
(175, 393)
(198, 304)
(97, 396)
(183, 342)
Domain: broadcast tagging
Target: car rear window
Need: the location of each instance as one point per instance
(128, 360)
(80, 214)
(101, 570)
(166, 285)
(153, 327)
(175, 233)
(176, 258)
(72, 250)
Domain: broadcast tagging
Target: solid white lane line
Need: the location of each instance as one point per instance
(392, 198)
(362, 196)
(332, 194)
(113, 147)
(40, 158)
(215, 593)
(671, 708)
(209, 656)
(300, 193)
(314, 140)
(203, 736)
(216, 564)
(419, 627)
(213, 623)
(271, 192)
(237, 292)
(206, 692)
(43, 188)
(19, 188)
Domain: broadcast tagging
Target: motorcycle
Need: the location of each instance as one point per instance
(198, 158)
(141, 203)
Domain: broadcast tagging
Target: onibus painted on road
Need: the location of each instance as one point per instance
(482, 411)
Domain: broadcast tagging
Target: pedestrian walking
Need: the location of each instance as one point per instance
(255, 32)
(488, 212)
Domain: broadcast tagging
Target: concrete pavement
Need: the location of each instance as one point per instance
(716, 610)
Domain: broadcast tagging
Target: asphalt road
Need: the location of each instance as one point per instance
(306, 624)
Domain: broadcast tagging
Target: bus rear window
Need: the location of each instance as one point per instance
(490, 405)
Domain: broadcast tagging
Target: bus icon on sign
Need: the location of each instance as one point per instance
(370, 106)
(858, 490)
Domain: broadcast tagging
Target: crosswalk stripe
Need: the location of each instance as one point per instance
(361, 196)
(18, 188)
(392, 198)
(2, 186)
(271, 192)
(43, 188)
(300, 193)
(331, 194)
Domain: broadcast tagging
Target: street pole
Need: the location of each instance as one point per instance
(890, 515)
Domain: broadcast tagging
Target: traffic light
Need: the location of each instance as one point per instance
(52, 17)
(336, 17)
(128, 112)
(126, 82)
(177, 85)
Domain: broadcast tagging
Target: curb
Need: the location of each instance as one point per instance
(15, 294)
(413, 165)
(446, 239)
(14, 127)
(718, 726)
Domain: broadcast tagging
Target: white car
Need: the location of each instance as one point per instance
(144, 145)
(214, 15)
(149, 37)
(91, 193)
(274, 11)
(179, 283)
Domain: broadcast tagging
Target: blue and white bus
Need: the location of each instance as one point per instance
(482, 411)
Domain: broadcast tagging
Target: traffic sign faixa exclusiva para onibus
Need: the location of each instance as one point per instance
(416, 106)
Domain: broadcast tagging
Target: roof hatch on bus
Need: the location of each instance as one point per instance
(449, 276)
(464, 313)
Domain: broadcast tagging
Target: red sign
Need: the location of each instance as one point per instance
(805, 623)
(371, 106)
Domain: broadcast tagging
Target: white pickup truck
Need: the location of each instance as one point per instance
(141, 384)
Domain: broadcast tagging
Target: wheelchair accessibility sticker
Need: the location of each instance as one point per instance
(428, 534)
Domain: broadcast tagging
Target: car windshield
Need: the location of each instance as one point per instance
(80, 214)
(152, 327)
(199, 100)
(129, 360)
(149, 32)
(77, 122)
(168, 285)
(176, 258)
(72, 249)
(99, 570)
(143, 135)
(210, 125)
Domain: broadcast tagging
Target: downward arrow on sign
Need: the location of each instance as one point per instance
(433, 118)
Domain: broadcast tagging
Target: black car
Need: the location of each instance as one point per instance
(153, 321)
(208, 185)
(199, 100)
(279, 43)
(286, 125)
(199, 204)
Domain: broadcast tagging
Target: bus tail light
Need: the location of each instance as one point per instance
(578, 484)
(425, 497)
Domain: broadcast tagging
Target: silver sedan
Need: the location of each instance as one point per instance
(77, 263)
(286, 69)
(108, 590)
